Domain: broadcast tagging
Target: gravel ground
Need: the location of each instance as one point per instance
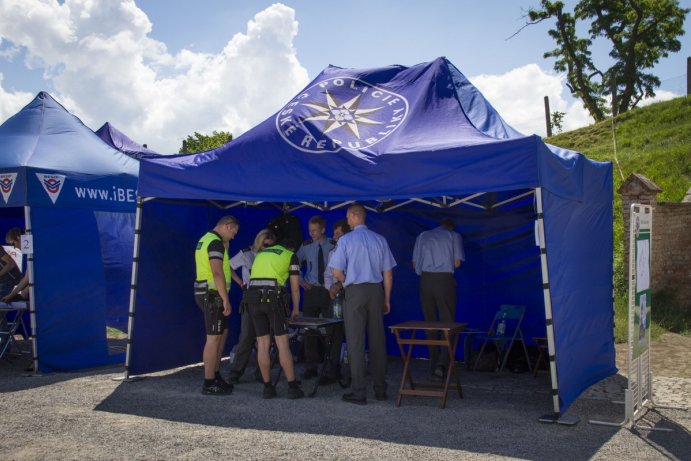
(93, 415)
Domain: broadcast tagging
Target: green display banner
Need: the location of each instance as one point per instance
(639, 287)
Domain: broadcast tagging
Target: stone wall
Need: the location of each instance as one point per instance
(671, 245)
(671, 249)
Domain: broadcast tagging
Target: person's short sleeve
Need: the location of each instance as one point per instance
(216, 250)
(417, 250)
(389, 262)
(294, 268)
(2, 251)
(338, 258)
(301, 254)
(237, 261)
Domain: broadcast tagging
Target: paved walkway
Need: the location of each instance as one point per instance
(671, 365)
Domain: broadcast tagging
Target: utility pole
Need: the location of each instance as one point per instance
(688, 75)
(615, 107)
(547, 117)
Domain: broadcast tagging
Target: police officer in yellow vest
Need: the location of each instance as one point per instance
(267, 300)
(211, 295)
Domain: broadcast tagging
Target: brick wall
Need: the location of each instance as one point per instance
(671, 245)
(671, 249)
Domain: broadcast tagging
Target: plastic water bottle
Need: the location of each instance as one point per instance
(338, 306)
(231, 356)
(501, 328)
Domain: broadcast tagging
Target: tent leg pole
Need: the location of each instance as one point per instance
(32, 296)
(548, 308)
(133, 286)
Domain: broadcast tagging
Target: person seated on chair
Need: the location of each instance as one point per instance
(267, 300)
(316, 301)
(10, 275)
(244, 259)
(437, 253)
(20, 292)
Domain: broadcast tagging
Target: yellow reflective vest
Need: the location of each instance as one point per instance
(272, 263)
(201, 258)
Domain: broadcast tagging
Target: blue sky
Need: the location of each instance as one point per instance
(162, 70)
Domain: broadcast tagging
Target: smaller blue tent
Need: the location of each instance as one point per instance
(78, 196)
(120, 141)
(414, 144)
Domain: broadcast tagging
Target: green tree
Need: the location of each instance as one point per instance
(201, 142)
(558, 121)
(640, 32)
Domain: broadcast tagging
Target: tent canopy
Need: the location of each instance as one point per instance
(359, 134)
(79, 195)
(50, 158)
(120, 141)
(401, 139)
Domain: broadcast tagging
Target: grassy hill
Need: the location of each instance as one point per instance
(655, 141)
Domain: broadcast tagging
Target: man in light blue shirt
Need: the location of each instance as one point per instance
(436, 255)
(363, 263)
(313, 255)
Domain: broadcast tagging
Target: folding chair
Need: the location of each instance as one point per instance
(9, 328)
(504, 330)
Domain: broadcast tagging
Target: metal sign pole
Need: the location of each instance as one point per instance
(639, 388)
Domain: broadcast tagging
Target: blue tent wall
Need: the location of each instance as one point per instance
(9, 218)
(579, 285)
(502, 261)
(116, 233)
(68, 269)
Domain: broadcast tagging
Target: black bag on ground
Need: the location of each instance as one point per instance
(489, 360)
(517, 361)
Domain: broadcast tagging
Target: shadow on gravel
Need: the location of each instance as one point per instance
(675, 444)
(15, 374)
(498, 414)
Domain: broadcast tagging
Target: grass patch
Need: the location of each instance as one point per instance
(652, 141)
(668, 315)
(671, 315)
(114, 333)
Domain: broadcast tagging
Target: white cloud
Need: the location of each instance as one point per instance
(106, 67)
(660, 95)
(518, 96)
(11, 103)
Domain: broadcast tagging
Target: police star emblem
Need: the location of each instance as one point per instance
(341, 113)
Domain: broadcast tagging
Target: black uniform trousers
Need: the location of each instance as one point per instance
(316, 301)
(438, 301)
(245, 345)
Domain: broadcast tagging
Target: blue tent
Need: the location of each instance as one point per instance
(413, 144)
(76, 196)
(120, 141)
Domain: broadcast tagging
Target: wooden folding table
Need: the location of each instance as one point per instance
(450, 331)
